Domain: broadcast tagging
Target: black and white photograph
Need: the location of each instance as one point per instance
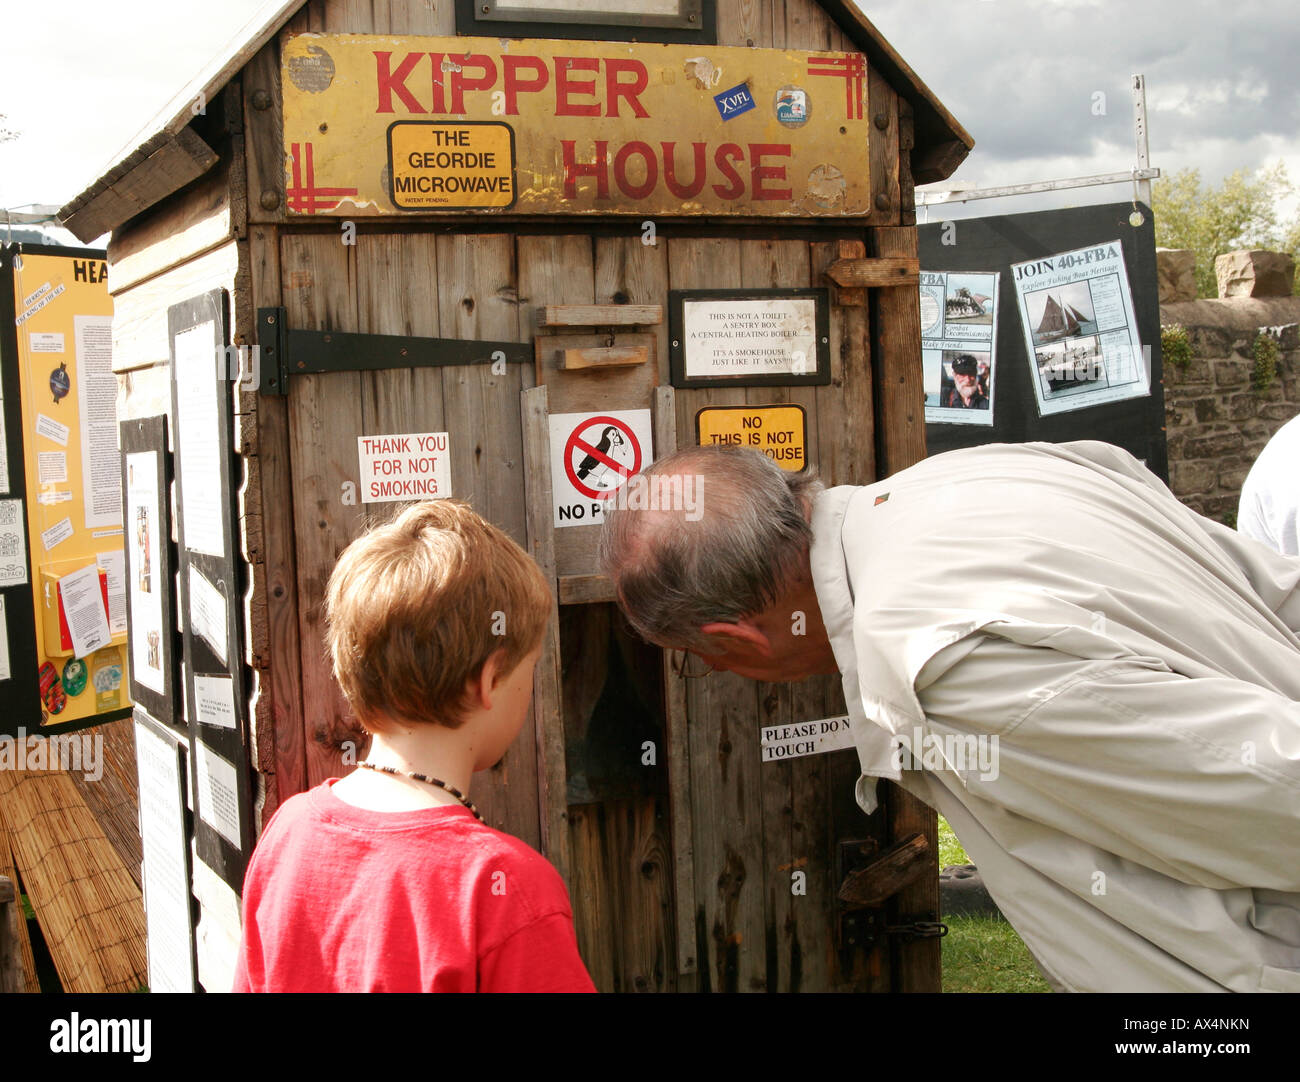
(1070, 366)
(1061, 313)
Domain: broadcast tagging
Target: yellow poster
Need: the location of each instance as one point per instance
(386, 125)
(75, 561)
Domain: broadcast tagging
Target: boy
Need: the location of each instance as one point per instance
(387, 880)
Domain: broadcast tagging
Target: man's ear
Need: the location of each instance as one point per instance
(740, 634)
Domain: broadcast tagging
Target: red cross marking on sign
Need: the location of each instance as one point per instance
(576, 444)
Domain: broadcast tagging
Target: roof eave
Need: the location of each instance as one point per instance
(166, 146)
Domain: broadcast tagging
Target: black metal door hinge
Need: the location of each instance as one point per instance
(283, 353)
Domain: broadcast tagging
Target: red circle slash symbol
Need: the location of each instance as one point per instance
(595, 458)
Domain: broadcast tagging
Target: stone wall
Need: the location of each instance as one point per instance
(1216, 421)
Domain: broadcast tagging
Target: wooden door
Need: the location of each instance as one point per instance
(684, 879)
(457, 286)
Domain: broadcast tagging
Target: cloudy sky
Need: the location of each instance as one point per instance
(78, 78)
(1223, 88)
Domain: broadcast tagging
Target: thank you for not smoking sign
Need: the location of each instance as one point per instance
(413, 466)
(592, 456)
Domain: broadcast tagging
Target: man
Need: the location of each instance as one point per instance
(1270, 497)
(1133, 665)
(965, 392)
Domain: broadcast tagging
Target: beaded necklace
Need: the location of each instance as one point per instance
(428, 781)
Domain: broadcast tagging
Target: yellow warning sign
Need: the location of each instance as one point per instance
(451, 166)
(780, 432)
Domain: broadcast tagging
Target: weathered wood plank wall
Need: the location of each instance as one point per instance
(756, 824)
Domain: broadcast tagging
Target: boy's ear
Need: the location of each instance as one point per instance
(482, 687)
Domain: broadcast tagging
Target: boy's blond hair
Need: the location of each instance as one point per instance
(415, 607)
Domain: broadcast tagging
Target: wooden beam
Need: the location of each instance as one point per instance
(679, 763)
(149, 177)
(548, 718)
(188, 225)
(938, 161)
(583, 589)
(275, 710)
(897, 867)
(900, 425)
(604, 357)
(875, 273)
(601, 315)
(900, 393)
(906, 182)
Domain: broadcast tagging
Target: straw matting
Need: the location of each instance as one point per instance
(88, 907)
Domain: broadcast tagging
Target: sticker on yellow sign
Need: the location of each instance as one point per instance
(780, 432)
(378, 124)
(444, 166)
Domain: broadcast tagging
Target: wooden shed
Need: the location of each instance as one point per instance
(473, 222)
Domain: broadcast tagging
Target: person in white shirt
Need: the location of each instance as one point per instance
(1270, 496)
(1131, 668)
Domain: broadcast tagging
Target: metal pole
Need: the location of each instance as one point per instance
(1140, 134)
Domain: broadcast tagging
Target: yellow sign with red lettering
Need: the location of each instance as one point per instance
(385, 125)
(780, 432)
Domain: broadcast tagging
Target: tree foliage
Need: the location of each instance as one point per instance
(1242, 212)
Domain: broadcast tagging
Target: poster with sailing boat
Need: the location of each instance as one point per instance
(958, 337)
(1080, 332)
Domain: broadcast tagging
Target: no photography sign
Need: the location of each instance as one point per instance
(592, 456)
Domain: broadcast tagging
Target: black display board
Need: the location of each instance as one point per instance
(211, 584)
(20, 695)
(175, 913)
(150, 567)
(994, 244)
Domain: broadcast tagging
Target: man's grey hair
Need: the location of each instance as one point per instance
(730, 557)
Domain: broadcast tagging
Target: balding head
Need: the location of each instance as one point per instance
(719, 533)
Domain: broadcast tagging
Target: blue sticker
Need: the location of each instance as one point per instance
(733, 102)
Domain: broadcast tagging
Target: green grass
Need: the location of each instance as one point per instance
(950, 850)
(982, 954)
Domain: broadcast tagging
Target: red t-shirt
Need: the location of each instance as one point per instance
(342, 899)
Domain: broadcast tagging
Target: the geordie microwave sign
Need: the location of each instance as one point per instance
(387, 125)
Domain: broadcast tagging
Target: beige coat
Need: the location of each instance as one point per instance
(1129, 668)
